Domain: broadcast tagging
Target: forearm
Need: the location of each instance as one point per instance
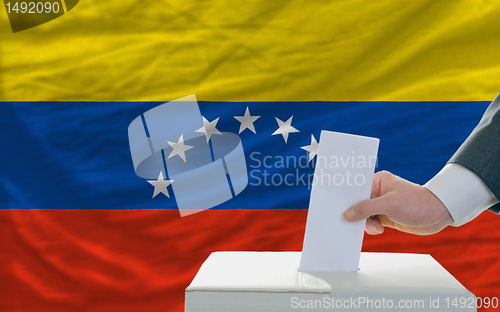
(480, 153)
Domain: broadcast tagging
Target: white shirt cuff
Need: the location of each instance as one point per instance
(462, 192)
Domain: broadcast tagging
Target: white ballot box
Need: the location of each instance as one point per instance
(271, 282)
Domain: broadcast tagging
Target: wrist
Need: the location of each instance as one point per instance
(462, 193)
(441, 216)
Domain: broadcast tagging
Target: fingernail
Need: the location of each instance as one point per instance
(373, 228)
(351, 214)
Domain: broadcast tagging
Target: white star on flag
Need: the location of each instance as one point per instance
(247, 121)
(285, 128)
(312, 149)
(179, 148)
(209, 128)
(161, 185)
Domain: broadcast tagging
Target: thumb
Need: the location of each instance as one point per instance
(367, 208)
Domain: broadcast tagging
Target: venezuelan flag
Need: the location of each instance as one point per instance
(79, 230)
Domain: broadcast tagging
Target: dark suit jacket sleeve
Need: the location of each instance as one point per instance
(480, 153)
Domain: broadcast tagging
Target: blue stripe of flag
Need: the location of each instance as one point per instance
(75, 155)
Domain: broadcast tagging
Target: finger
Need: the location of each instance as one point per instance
(379, 179)
(384, 221)
(373, 226)
(376, 187)
(370, 207)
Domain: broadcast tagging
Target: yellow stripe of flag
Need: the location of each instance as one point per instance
(257, 51)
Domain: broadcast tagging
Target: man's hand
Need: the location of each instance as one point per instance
(402, 205)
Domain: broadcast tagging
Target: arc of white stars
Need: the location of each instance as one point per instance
(161, 185)
(312, 149)
(247, 121)
(285, 128)
(179, 148)
(209, 128)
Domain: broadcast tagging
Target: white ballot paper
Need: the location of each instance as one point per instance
(343, 177)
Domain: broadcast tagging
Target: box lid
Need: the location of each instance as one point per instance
(278, 272)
